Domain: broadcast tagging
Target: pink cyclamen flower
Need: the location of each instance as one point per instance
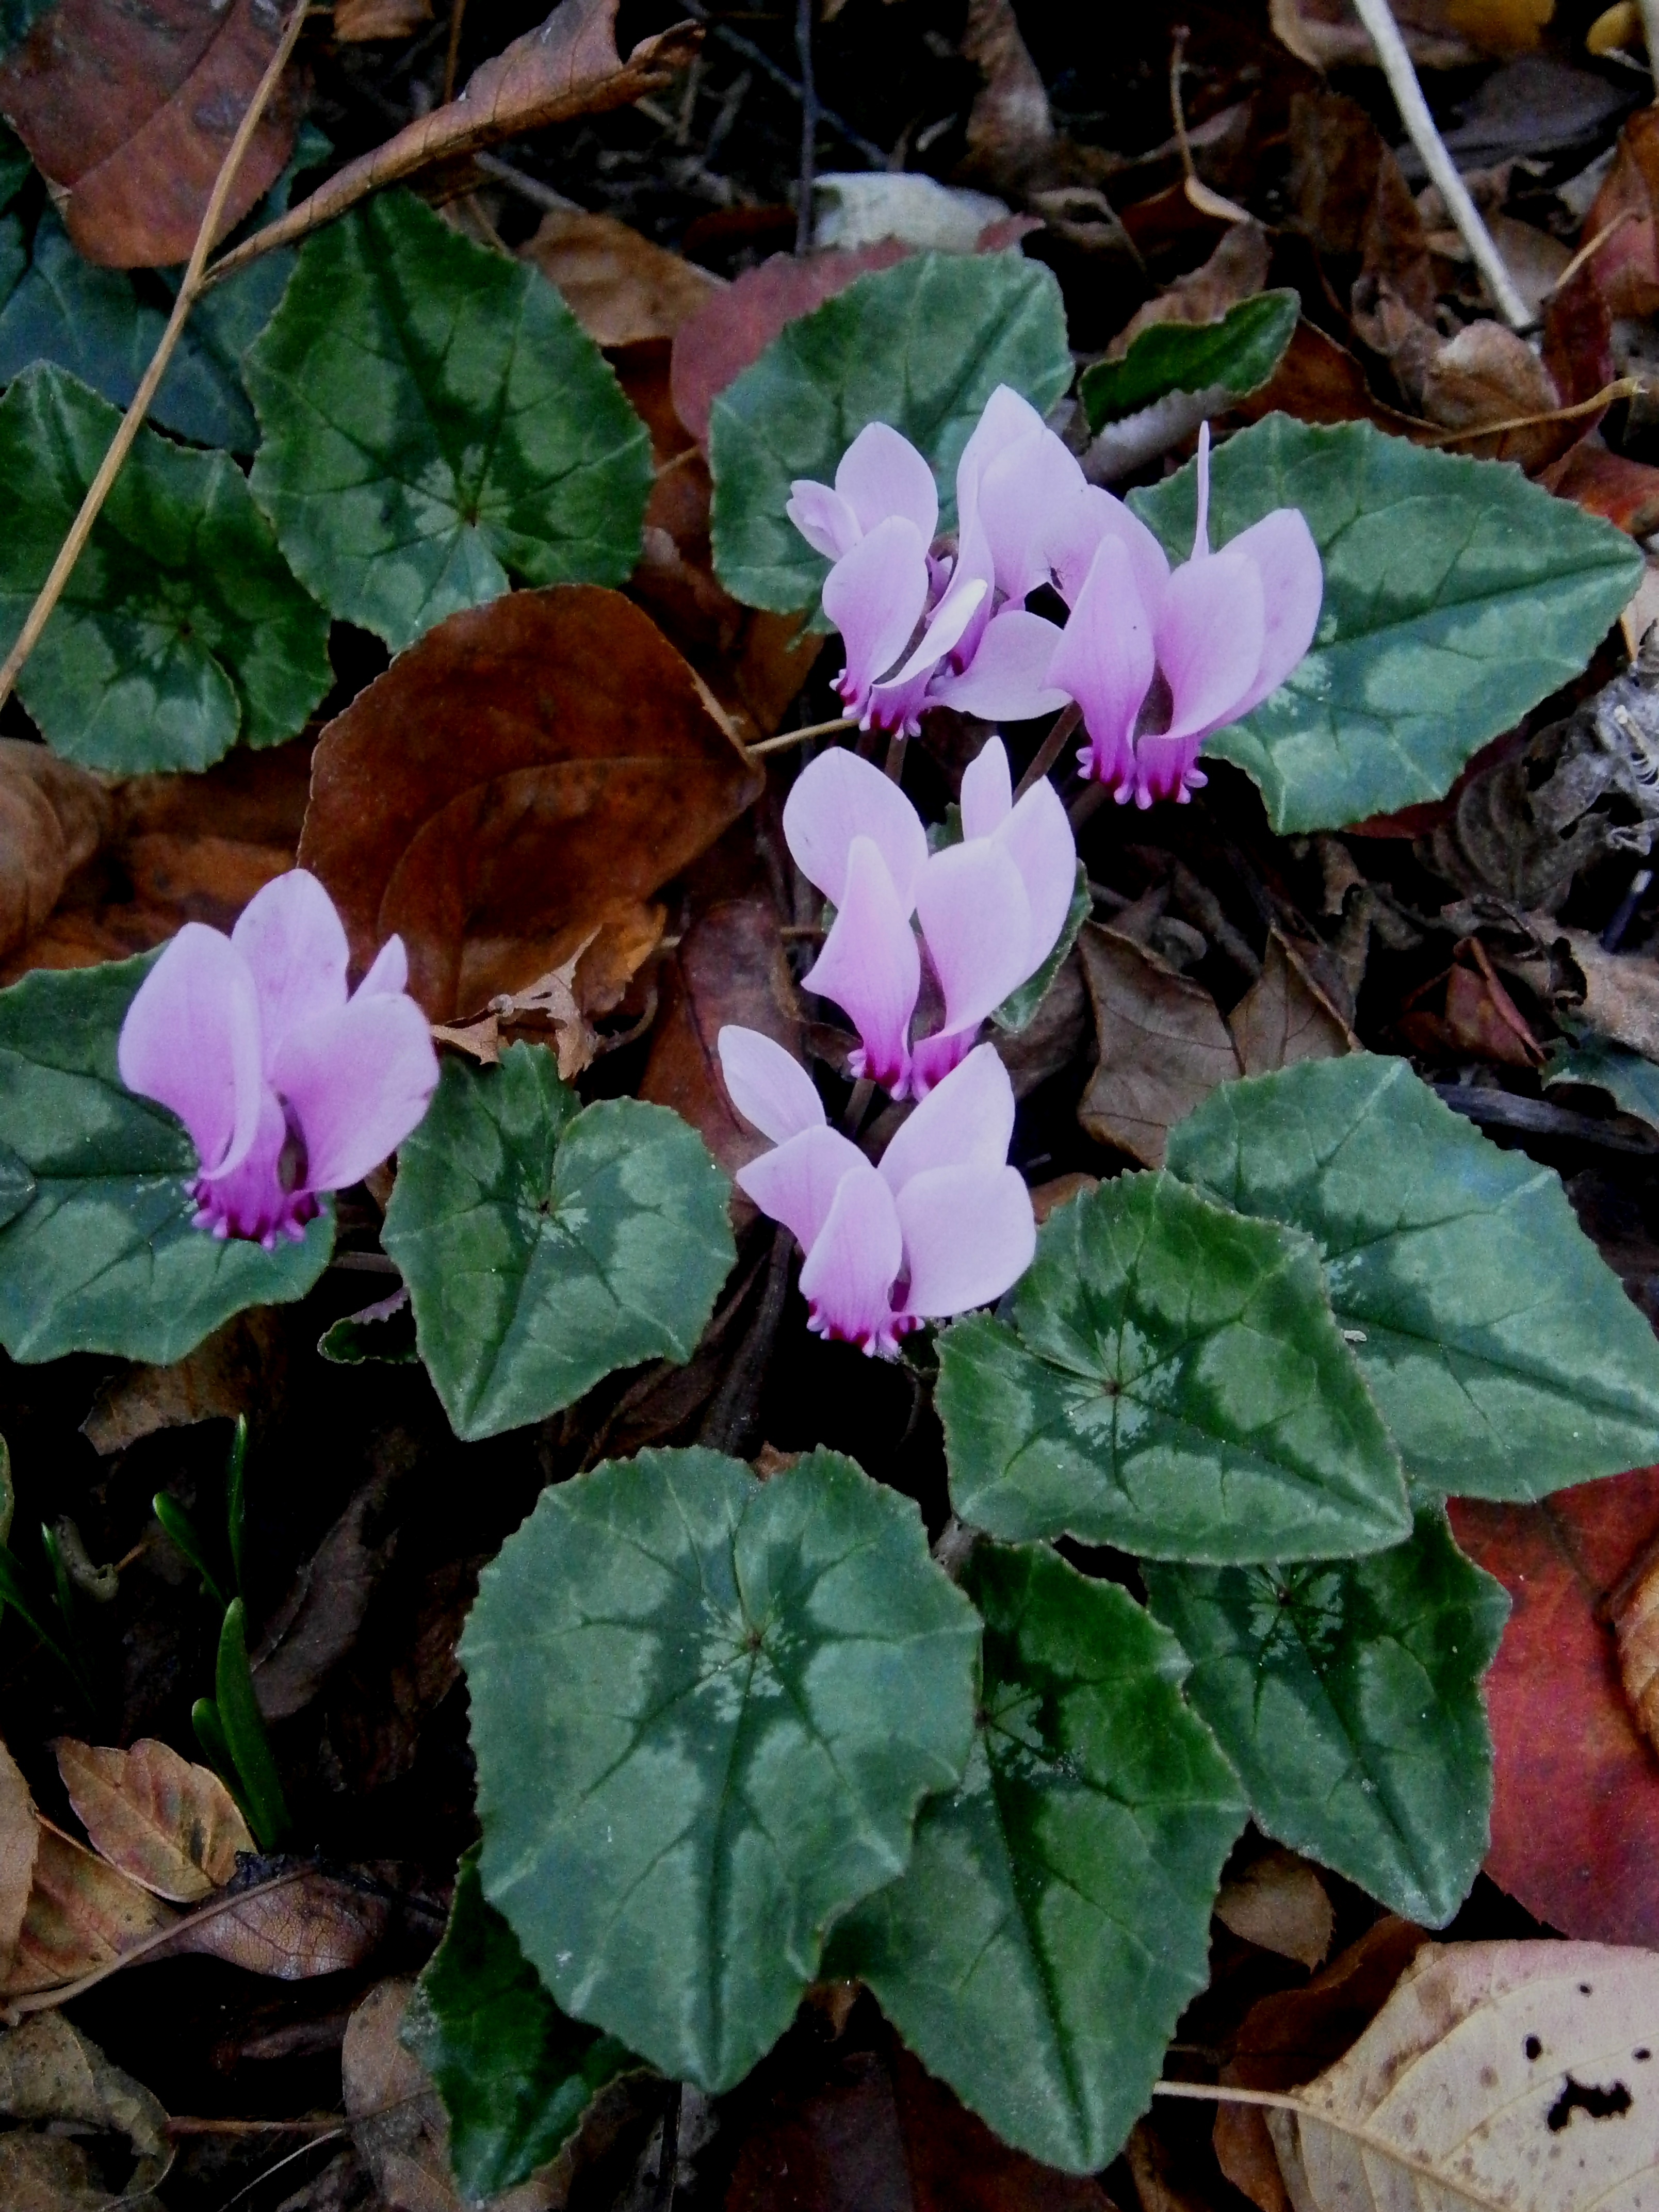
(922, 628)
(942, 1223)
(287, 1086)
(991, 909)
(1157, 659)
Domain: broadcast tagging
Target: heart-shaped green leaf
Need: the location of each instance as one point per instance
(1630, 1080)
(1055, 1915)
(515, 2075)
(1172, 1383)
(546, 1243)
(1505, 1355)
(1347, 1694)
(1239, 353)
(437, 423)
(1457, 595)
(922, 346)
(705, 1709)
(181, 627)
(103, 1258)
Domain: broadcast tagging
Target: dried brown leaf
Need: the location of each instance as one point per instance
(1438, 33)
(237, 1368)
(1636, 1623)
(20, 1841)
(567, 66)
(129, 111)
(289, 1929)
(83, 1915)
(1625, 216)
(53, 816)
(620, 288)
(52, 2077)
(528, 771)
(1162, 1046)
(1279, 1903)
(1285, 1016)
(171, 1826)
(1621, 992)
(355, 19)
(1236, 271)
(317, 1622)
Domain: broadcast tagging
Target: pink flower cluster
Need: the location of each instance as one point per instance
(989, 909)
(1157, 658)
(941, 1225)
(288, 1086)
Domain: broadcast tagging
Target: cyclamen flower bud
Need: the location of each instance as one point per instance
(942, 1223)
(287, 1087)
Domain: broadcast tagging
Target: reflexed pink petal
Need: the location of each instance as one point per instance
(871, 966)
(1209, 632)
(1006, 681)
(934, 1057)
(976, 921)
(1165, 767)
(250, 1199)
(296, 949)
(1075, 536)
(848, 1276)
(796, 1183)
(767, 1085)
(875, 595)
(987, 789)
(968, 1236)
(882, 474)
(1004, 421)
(898, 703)
(1105, 659)
(190, 1041)
(357, 1082)
(1038, 838)
(1023, 494)
(822, 518)
(839, 797)
(965, 1121)
(1282, 547)
(388, 972)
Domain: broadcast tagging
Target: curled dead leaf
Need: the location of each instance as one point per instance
(1288, 1014)
(289, 1926)
(237, 1368)
(52, 2076)
(129, 112)
(1162, 1046)
(170, 1825)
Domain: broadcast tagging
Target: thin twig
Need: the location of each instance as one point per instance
(206, 238)
(194, 2127)
(1199, 194)
(787, 738)
(809, 127)
(528, 188)
(1397, 66)
(1624, 387)
(453, 53)
(768, 67)
(1049, 751)
(1649, 13)
(1592, 247)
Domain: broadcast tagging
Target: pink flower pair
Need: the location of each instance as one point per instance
(288, 1086)
(990, 910)
(942, 1223)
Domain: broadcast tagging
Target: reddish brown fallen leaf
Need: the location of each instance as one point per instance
(82, 1914)
(1575, 1828)
(290, 1930)
(1235, 273)
(1636, 1623)
(567, 66)
(730, 968)
(1623, 491)
(1284, 2039)
(317, 1623)
(233, 1370)
(1286, 1015)
(1162, 1046)
(1278, 1904)
(1047, 1198)
(528, 770)
(355, 19)
(20, 1842)
(129, 112)
(53, 816)
(620, 288)
(1477, 1016)
(1348, 196)
(173, 1827)
(1626, 264)
(1319, 381)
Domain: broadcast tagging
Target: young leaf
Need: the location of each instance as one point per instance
(1172, 1383)
(245, 1732)
(1347, 1694)
(1239, 352)
(1630, 1080)
(546, 1243)
(1055, 1917)
(181, 627)
(104, 1257)
(436, 424)
(181, 1531)
(515, 2075)
(922, 346)
(704, 1712)
(1505, 1357)
(1457, 595)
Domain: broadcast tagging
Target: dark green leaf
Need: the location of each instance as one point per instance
(1173, 1383)
(704, 1712)
(436, 424)
(922, 346)
(545, 1244)
(1347, 1694)
(16, 1189)
(15, 163)
(182, 1532)
(1019, 1007)
(12, 1592)
(1505, 1357)
(1457, 595)
(1055, 1916)
(384, 1331)
(1630, 1081)
(104, 1257)
(515, 2075)
(181, 627)
(245, 1732)
(13, 255)
(1239, 353)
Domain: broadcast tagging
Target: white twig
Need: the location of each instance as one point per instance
(1649, 12)
(1378, 18)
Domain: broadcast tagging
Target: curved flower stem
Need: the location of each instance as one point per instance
(1049, 750)
(189, 292)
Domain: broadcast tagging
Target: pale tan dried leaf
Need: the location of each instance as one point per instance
(1486, 373)
(1280, 1904)
(1162, 1046)
(1510, 2077)
(20, 1841)
(171, 1826)
(50, 2073)
(1621, 992)
(291, 1929)
(82, 1914)
(45, 2173)
(1285, 1017)
(317, 1623)
(1636, 1623)
(620, 288)
(53, 816)
(237, 1368)
(355, 19)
